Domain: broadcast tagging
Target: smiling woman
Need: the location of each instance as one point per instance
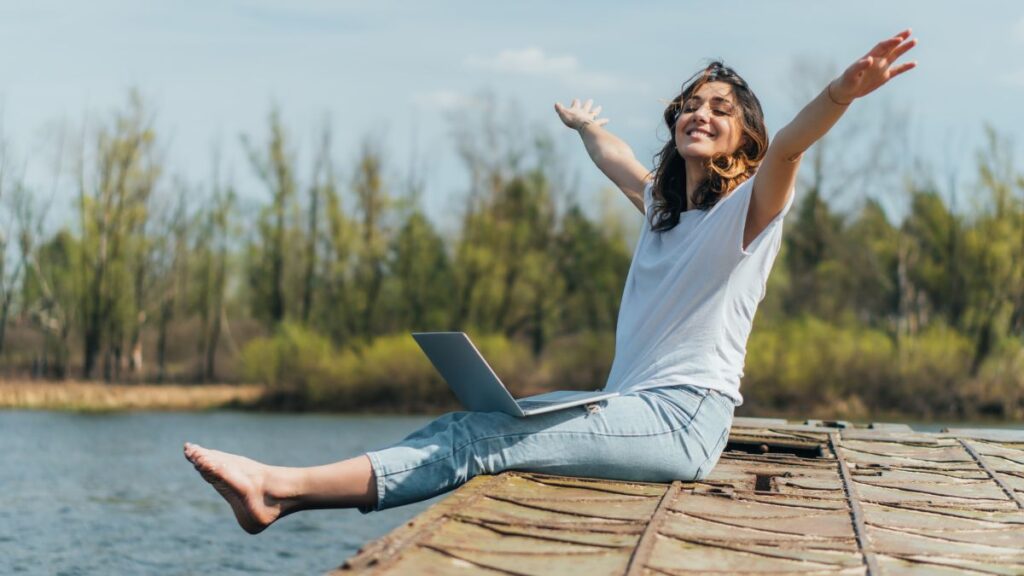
(697, 276)
(718, 140)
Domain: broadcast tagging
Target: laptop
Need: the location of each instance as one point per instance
(477, 386)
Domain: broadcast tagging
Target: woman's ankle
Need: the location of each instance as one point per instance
(284, 487)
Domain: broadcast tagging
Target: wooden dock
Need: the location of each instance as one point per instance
(812, 498)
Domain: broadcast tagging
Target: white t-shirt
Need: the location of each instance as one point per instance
(690, 298)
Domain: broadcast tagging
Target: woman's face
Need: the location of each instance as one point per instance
(709, 123)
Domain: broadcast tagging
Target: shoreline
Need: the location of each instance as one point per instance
(85, 396)
(92, 396)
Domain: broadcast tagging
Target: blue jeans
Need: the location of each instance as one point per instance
(656, 435)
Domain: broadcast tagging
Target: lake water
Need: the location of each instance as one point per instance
(112, 494)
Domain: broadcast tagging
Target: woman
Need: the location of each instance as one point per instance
(715, 204)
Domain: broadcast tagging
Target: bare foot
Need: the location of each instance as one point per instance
(244, 483)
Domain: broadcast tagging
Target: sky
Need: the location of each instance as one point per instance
(399, 72)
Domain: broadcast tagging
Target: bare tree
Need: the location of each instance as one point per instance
(113, 207)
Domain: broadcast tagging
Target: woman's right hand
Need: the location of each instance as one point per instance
(577, 116)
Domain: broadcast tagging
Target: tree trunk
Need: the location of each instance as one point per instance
(166, 313)
(5, 310)
(210, 354)
(308, 281)
(277, 270)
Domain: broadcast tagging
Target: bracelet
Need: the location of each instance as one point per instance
(828, 91)
(584, 125)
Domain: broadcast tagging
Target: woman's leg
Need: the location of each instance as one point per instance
(658, 435)
(260, 494)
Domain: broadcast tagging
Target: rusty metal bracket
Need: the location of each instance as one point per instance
(992, 473)
(856, 512)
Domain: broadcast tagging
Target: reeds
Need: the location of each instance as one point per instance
(95, 396)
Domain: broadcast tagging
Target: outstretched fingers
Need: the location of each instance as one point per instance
(578, 114)
(902, 49)
(885, 47)
(894, 72)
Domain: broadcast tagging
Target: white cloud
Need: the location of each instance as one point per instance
(531, 61)
(534, 62)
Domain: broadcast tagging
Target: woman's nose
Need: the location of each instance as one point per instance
(703, 112)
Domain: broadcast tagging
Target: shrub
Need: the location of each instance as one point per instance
(998, 389)
(390, 373)
(575, 362)
(294, 361)
(806, 364)
(303, 369)
(932, 368)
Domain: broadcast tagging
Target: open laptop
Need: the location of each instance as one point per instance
(477, 386)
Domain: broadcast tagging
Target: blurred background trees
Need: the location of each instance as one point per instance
(312, 284)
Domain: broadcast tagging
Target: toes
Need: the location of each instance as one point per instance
(202, 462)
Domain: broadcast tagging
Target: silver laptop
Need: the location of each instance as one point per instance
(477, 386)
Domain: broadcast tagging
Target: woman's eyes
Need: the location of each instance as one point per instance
(716, 111)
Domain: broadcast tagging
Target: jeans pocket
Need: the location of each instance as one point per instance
(714, 455)
(681, 403)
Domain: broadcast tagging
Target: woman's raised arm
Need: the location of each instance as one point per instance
(613, 156)
(777, 173)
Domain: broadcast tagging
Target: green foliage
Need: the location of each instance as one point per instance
(295, 360)
(579, 361)
(391, 373)
(932, 368)
(114, 211)
(864, 314)
(593, 264)
(809, 366)
(814, 258)
(422, 275)
(806, 363)
(268, 258)
(870, 252)
(997, 391)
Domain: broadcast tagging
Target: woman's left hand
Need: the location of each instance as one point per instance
(876, 68)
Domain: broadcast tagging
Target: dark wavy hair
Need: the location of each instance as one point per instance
(725, 173)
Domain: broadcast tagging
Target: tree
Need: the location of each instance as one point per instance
(275, 166)
(53, 295)
(593, 262)
(422, 271)
(113, 210)
(994, 249)
(171, 255)
(211, 254)
(373, 202)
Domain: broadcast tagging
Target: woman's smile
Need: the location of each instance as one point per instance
(707, 123)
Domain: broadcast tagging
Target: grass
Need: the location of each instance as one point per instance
(100, 397)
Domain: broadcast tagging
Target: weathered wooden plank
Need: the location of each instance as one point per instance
(885, 500)
(991, 434)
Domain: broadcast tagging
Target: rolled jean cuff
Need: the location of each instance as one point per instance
(378, 476)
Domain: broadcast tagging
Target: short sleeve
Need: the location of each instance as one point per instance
(728, 219)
